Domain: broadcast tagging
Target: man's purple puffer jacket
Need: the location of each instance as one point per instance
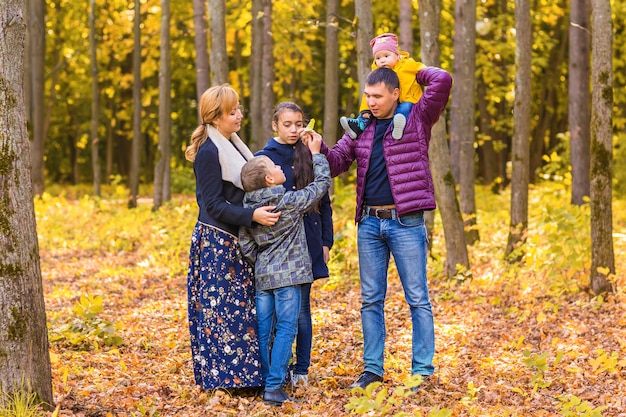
(407, 161)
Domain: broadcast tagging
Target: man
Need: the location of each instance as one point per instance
(394, 187)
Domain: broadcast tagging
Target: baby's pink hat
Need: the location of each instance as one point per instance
(386, 41)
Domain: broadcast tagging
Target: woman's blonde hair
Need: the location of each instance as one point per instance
(214, 103)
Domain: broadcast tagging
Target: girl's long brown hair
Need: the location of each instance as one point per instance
(302, 158)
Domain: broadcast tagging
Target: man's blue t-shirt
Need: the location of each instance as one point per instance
(377, 188)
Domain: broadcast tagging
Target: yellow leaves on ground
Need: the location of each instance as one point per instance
(516, 340)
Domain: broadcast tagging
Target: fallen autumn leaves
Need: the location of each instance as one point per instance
(491, 335)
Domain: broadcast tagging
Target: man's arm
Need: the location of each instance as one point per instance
(436, 95)
(341, 156)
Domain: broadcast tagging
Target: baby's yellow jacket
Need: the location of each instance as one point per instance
(406, 68)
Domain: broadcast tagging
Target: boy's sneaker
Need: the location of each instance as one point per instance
(299, 379)
(351, 126)
(399, 121)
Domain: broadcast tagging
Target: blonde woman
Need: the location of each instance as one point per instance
(221, 289)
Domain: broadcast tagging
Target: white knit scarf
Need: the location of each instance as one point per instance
(231, 160)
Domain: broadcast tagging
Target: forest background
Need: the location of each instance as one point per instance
(517, 339)
(298, 37)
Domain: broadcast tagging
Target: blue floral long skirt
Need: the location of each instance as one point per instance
(222, 312)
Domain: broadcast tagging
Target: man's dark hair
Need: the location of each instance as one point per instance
(386, 76)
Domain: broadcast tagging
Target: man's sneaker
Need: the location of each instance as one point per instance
(365, 379)
(351, 126)
(299, 379)
(399, 121)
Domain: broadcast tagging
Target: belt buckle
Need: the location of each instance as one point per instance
(384, 214)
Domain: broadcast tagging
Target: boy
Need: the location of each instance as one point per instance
(387, 55)
(281, 259)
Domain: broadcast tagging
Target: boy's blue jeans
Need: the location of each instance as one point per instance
(277, 309)
(405, 238)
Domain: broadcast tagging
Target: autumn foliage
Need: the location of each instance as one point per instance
(521, 339)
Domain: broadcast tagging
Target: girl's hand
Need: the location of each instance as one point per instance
(326, 254)
(265, 216)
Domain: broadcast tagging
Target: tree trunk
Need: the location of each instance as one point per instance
(256, 54)
(95, 99)
(24, 357)
(110, 142)
(462, 112)
(547, 102)
(364, 33)
(201, 47)
(37, 27)
(331, 74)
(602, 256)
(72, 139)
(218, 57)
(405, 26)
(579, 98)
(457, 259)
(240, 62)
(135, 160)
(406, 44)
(521, 132)
(267, 75)
(162, 167)
(489, 159)
(28, 71)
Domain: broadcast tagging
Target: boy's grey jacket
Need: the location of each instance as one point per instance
(279, 253)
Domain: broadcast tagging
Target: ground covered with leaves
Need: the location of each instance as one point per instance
(524, 339)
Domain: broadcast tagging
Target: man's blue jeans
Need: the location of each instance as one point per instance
(277, 309)
(405, 238)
